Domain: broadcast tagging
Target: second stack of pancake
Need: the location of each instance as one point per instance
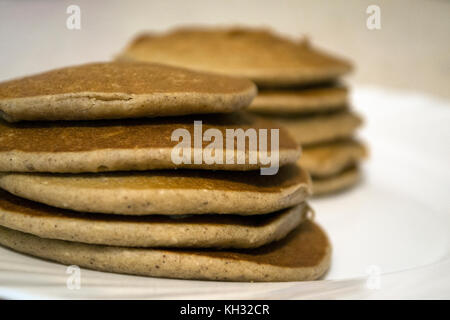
(298, 88)
(85, 185)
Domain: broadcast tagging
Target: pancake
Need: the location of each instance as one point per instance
(331, 158)
(336, 183)
(167, 192)
(115, 145)
(115, 90)
(220, 231)
(257, 54)
(314, 129)
(299, 101)
(303, 255)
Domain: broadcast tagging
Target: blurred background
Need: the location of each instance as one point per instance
(411, 51)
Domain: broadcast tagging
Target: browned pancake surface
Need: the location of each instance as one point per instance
(258, 54)
(120, 77)
(287, 176)
(119, 134)
(9, 202)
(306, 246)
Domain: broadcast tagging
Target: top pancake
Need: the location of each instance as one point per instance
(121, 90)
(257, 54)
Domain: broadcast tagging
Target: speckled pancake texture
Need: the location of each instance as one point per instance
(114, 90)
(166, 192)
(116, 145)
(220, 231)
(303, 255)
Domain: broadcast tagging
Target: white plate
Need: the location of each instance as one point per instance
(390, 235)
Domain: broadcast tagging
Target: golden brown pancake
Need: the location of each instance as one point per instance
(299, 101)
(114, 90)
(166, 192)
(115, 145)
(221, 231)
(328, 159)
(319, 128)
(303, 255)
(257, 54)
(336, 183)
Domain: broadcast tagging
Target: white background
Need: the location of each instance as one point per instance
(411, 50)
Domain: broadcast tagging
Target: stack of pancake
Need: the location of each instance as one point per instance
(298, 88)
(88, 178)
